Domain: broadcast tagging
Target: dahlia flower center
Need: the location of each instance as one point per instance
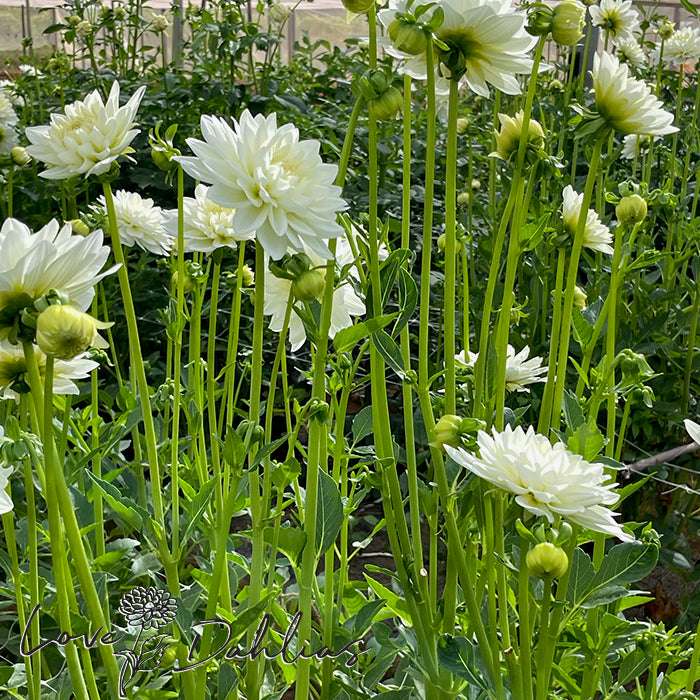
(12, 370)
(611, 23)
(464, 41)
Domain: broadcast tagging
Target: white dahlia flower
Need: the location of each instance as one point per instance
(32, 264)
(13, 371)
(88, 138)
(546, 479)
(490, 37)
(633, 142)
(7, 111)
(625, 103)
(8, 137)
(682, 47)
(520, 372)
(617, 18)
(8, 90)
(596, 235)
(278, 185)
(208, 225)
(346, 304)
(140, 222)
(693, 429)
(631, 52)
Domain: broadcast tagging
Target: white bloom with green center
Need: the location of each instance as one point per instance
(596, 235)
(682, 47)
(13, 371)
(32, 264)
(634, 143)
(631, 52)
(88, 137)
(207, 225)
(346, 303)
(278, 185)
(490, 35)
(8, 138)
(520, 372)
(7, 111)
(627, 104)
(140, 222)
(617, 18)
(546, 479)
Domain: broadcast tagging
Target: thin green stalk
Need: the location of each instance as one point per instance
(565, 335)
(525, 639)
(542, 677)
(690, 349)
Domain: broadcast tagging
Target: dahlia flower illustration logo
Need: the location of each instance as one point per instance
(148, 609)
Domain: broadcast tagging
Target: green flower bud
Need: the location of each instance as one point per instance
(188, 284)
(408, 37)
(119, 13)
(631, 210)
(387, 105)
(462, 125)
(666, 30)
(556, 86)
(447, 431)
(476, 184)
(65, 332)
(74, 20)
(248, 277)
(442, 242)
(539, 22)
(358, 6)
(84, 28)
(20, 156)
(79, 227)
(280, 13)
(162, 160)
(463, 199)
(508, 138)
(579, 298)
(309, 285)
(545, 560)
(568, 19)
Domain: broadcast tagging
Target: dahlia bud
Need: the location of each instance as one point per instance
(476, 184)
(119, 13)
(580, 298)
(447, 430)
(187, 285)
(568, 19)
(79, 227)
(462, 125)
(74, 20)
(84, 28)
(309, 285)
(20, 156)
(508, 138)
(65, 332)
(358, 6)
(546, 560)
(442, 242)
(387, 105)
(463, 199)
(280, 13)
(160, 23)
(666, 30)
(408, 37)
(631, 210)
(248, 277)
(162, 160)
(556, 86)
(539, 22)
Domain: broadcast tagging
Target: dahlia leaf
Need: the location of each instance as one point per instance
(329, 513)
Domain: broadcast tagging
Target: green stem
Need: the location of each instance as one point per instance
(542, 676)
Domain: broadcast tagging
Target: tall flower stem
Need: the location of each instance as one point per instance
(542, 675)
(451, 251)
(567, 315)
(525, 631)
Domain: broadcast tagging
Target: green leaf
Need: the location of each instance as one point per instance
(290, 541)
(393, 602)
(583, 330)
(586, 441)
(580, 578)
(408, 299)
(690, 7)
(199, 504)
(329, 514)
(632, 666)
(459, 655)
(130, 512)
(233, 451)
(573, 413)
(390, 351)
(359, 624)
(346, 338)
(362, 424)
